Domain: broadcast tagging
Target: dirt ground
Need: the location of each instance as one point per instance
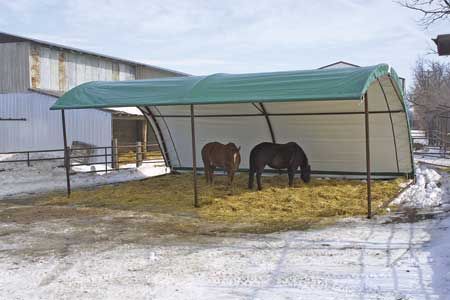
(94, 225)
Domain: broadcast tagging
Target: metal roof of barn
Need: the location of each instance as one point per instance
(13, 38)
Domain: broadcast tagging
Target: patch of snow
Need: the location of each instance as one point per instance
(421, 141)
(362, 260)
(426, 192)
(432, 160)
(43, 176)
(128, 110)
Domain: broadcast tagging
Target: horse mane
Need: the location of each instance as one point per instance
(233, 146)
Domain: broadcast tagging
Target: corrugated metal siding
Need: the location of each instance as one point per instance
(14, 67)
(126, 72)
(63, 70)
(42, 129)
(24, 65)
(143, 72)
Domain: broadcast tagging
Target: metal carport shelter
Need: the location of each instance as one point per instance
(349, 121)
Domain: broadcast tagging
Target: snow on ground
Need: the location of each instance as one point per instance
(43, 176)
(430, 190)
(432, 155)
(355, 260)
(433, 160)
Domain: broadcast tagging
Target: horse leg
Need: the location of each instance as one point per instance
(258, 179)
(251, 175)
(211, 174)
(291, 173)
(230, 176)
(259, 172)
(206, 173)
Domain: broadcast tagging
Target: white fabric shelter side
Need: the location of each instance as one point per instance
(332, 133)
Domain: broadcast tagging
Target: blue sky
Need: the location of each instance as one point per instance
(203, 37)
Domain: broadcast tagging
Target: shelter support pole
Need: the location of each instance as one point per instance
(66, 152)
(269, 124)
(368, 179)
(194, 158)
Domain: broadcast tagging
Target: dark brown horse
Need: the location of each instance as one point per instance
(288, 156)
(223, 156)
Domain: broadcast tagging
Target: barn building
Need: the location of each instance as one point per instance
(34, 73)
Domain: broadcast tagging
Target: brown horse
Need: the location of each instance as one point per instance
(223, 156)
(288, 156)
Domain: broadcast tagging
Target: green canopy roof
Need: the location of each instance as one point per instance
(307, 85)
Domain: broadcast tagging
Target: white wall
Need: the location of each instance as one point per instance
(42, 128)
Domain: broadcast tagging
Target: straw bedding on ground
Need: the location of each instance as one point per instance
(275, 207)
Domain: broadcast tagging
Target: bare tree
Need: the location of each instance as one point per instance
(432, 10)
(430, 93)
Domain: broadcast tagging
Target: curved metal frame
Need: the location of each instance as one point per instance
(159, 137)
(170, 134)
(269, 124)
(407, 124)
(392, 124)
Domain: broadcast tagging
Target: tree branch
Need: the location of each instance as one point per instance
(432, 10)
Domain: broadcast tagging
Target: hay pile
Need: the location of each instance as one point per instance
(275, 207)
(304, 203)
(130, 156)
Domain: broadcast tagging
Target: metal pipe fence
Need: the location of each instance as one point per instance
(438, 141)
(110, 154)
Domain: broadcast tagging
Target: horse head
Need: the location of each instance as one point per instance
(306, 173)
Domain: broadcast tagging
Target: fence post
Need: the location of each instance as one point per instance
(138, 154)
(114, 155)
(106, 160)
(144, 139)
(446, 136)
(28, 159)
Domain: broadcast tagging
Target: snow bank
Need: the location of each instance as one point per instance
(426, 192)
(44, 176)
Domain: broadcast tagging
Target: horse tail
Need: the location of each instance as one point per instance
(252, 162)
(252, 168)
(204, 154)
